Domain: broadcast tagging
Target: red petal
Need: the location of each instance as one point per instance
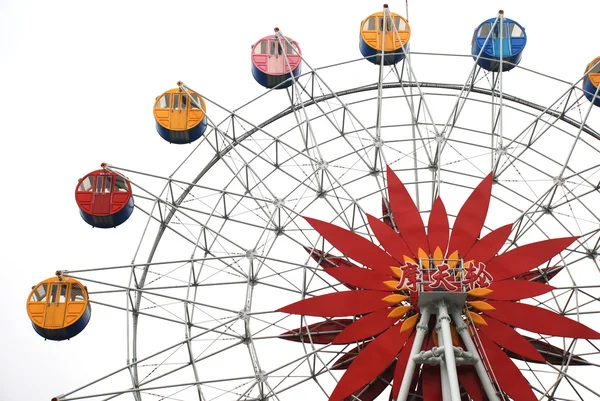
(508, 338)
(401, 365)
(347, 303)
(432, 383)
(438, 228)
(513, 290)
(487, 247)
(367, 326)
(359, 277)
(526, 257)
(509, 377)
(406, 215)
(467, 375)
(539, 320)
(354, 246)
(470, 218)
(389, 239)
(370, 362)
(318, 333)
(376, 387)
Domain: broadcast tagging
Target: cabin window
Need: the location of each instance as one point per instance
(400, 24)
(389, 26)
(86, 184)
(63, 294)
(596, 68)
(184, 100)
(53, 293)
(484, 31)
(77, 293)
(99, 183)
(39, 295)
(121, 185)
(261, 48)
(195, 103)
(515, 30)
(163, 102)
(275, 48)
(369, 24)
(176, 101)
(108, 184)
(499, 31)
(290, 48)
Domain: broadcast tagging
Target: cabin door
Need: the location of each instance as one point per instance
(102, 194)
(276, 60)
(56, 306)
(502, 43)
(179, 111)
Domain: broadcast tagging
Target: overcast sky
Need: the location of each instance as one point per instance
(77, 83)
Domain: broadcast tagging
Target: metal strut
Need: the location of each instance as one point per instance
(447, 307)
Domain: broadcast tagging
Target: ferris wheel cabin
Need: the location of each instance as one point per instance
(180, 118)
(104, 198)
(389, 35)
(592, 82)
(275, 59)
(498, 39)
(59, 308)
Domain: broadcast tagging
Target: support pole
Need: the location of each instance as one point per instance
(444, 322)
(484, 379)
(443, 372)
(422, 328)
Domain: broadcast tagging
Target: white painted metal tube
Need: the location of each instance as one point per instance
(422, 328)
(463, 331)
(444, 321)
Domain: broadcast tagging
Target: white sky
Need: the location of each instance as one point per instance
(77, 84)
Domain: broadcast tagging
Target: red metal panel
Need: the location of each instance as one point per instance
(101, 204)
(367, 326)
(539, 320)
(432, 383)
(438, 228)
(347, 303)
(487, 247)
(509, 377)
(359, 278)
(514, 290)
(377, 356)
(524, 258)
(508, 338)
(390, 240)
(406, 214)
(401, 365)
(318, 333)
(470, 218)
(467, 376)
(354, 246)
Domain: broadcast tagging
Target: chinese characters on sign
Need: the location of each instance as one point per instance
(470, 276)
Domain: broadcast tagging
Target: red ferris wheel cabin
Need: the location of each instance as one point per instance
(104, 198)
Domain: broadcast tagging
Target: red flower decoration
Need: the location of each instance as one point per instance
(410, 260)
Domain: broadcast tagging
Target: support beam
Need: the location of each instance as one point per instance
(422, 329)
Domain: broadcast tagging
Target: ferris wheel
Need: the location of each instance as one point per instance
(400, 237)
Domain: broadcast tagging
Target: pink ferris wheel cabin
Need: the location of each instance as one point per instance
(275, 59)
